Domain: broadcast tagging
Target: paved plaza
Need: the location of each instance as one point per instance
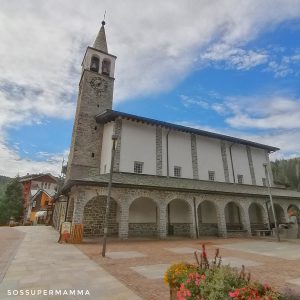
(40, 263)
(31, 258)
(140, 264)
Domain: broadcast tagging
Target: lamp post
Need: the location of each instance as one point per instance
(271, 201)
(113, 152)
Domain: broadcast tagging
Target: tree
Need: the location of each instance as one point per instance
(11, 204)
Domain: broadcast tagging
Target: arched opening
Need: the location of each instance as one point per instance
(106, 67)
(95, 62)
(93, 217)
(178, 215)
(279, 213)
(207, 219)
(257, 218)
(143, 217)
(233, 217)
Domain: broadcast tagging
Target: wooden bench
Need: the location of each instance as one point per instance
(263, 232)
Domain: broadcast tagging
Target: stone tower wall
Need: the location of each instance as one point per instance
(85, 153)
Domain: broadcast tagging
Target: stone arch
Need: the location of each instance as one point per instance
(207, 218)
(279, 213)
(93, 217)
(95, 63)
(234, 216)
(143, 217)
(258, 217)
(179, 217)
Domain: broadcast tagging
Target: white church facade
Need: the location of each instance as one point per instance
(168, 179)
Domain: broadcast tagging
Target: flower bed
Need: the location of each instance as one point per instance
(210, 280)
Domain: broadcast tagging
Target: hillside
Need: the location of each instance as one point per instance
(287, 172)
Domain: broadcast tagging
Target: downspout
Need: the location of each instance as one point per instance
(167, 141)
(232, 168)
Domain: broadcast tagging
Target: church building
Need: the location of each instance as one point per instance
(168, 179)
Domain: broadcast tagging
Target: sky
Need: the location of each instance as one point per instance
(231, 67)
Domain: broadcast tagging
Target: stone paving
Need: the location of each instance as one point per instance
(41, 263)
(268, 261)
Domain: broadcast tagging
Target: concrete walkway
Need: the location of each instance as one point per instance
(42, 264)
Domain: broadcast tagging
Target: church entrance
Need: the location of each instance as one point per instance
(143, 217)
(207, 219)
(179, 218)
(257, 218)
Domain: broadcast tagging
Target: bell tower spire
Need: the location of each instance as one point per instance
(100, 41)
(95, 95)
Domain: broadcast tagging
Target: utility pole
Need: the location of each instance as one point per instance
(271, 201)
(113, 152)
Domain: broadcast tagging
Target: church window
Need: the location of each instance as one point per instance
(211, 175)
(93, 154)
(94, 64)
(264, 181)
(240, 179)
(177, 171)
(105, 67)
(138, 167)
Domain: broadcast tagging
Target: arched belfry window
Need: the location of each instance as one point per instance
(105, 67)
(95, 64)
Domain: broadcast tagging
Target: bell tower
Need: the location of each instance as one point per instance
(94, 96)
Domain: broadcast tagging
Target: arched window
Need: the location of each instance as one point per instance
(106, 67)
(94, 64)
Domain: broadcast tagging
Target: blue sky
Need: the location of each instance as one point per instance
(232, 68)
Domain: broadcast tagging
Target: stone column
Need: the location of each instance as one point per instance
(251, 167)
(162, 222)
(118, 132)
(124, 218)
(222, 230)
(77, 220)
(194, 156)
(192, 220)
(245, 219)
(225, 162)
(158, 151)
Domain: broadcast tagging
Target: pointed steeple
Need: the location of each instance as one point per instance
(100, 41)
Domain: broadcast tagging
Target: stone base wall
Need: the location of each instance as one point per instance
(142, 229)
(93, 218)
(181, 229)
(237, 234)
(210, 229)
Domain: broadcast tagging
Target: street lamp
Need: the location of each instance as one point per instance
(113, 152)
(271, 201)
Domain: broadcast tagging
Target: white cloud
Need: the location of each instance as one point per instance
(235, 58)
(265, 112)
(157, 42)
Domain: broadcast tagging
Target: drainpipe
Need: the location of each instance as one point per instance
(230, 152)
(196, 219)
(167, 140)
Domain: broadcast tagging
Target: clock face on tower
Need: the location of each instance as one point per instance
(99, 85)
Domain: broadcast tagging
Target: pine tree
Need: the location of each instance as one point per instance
(11, 204)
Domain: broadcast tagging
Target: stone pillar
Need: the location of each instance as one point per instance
(158, 151)
(118, 132)
(194, 156)
(225, 162)
(124, 218)
(222, 230)
(77, 220)
(251, 167)
(192, 220)
(245, 219)
(162, 229)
